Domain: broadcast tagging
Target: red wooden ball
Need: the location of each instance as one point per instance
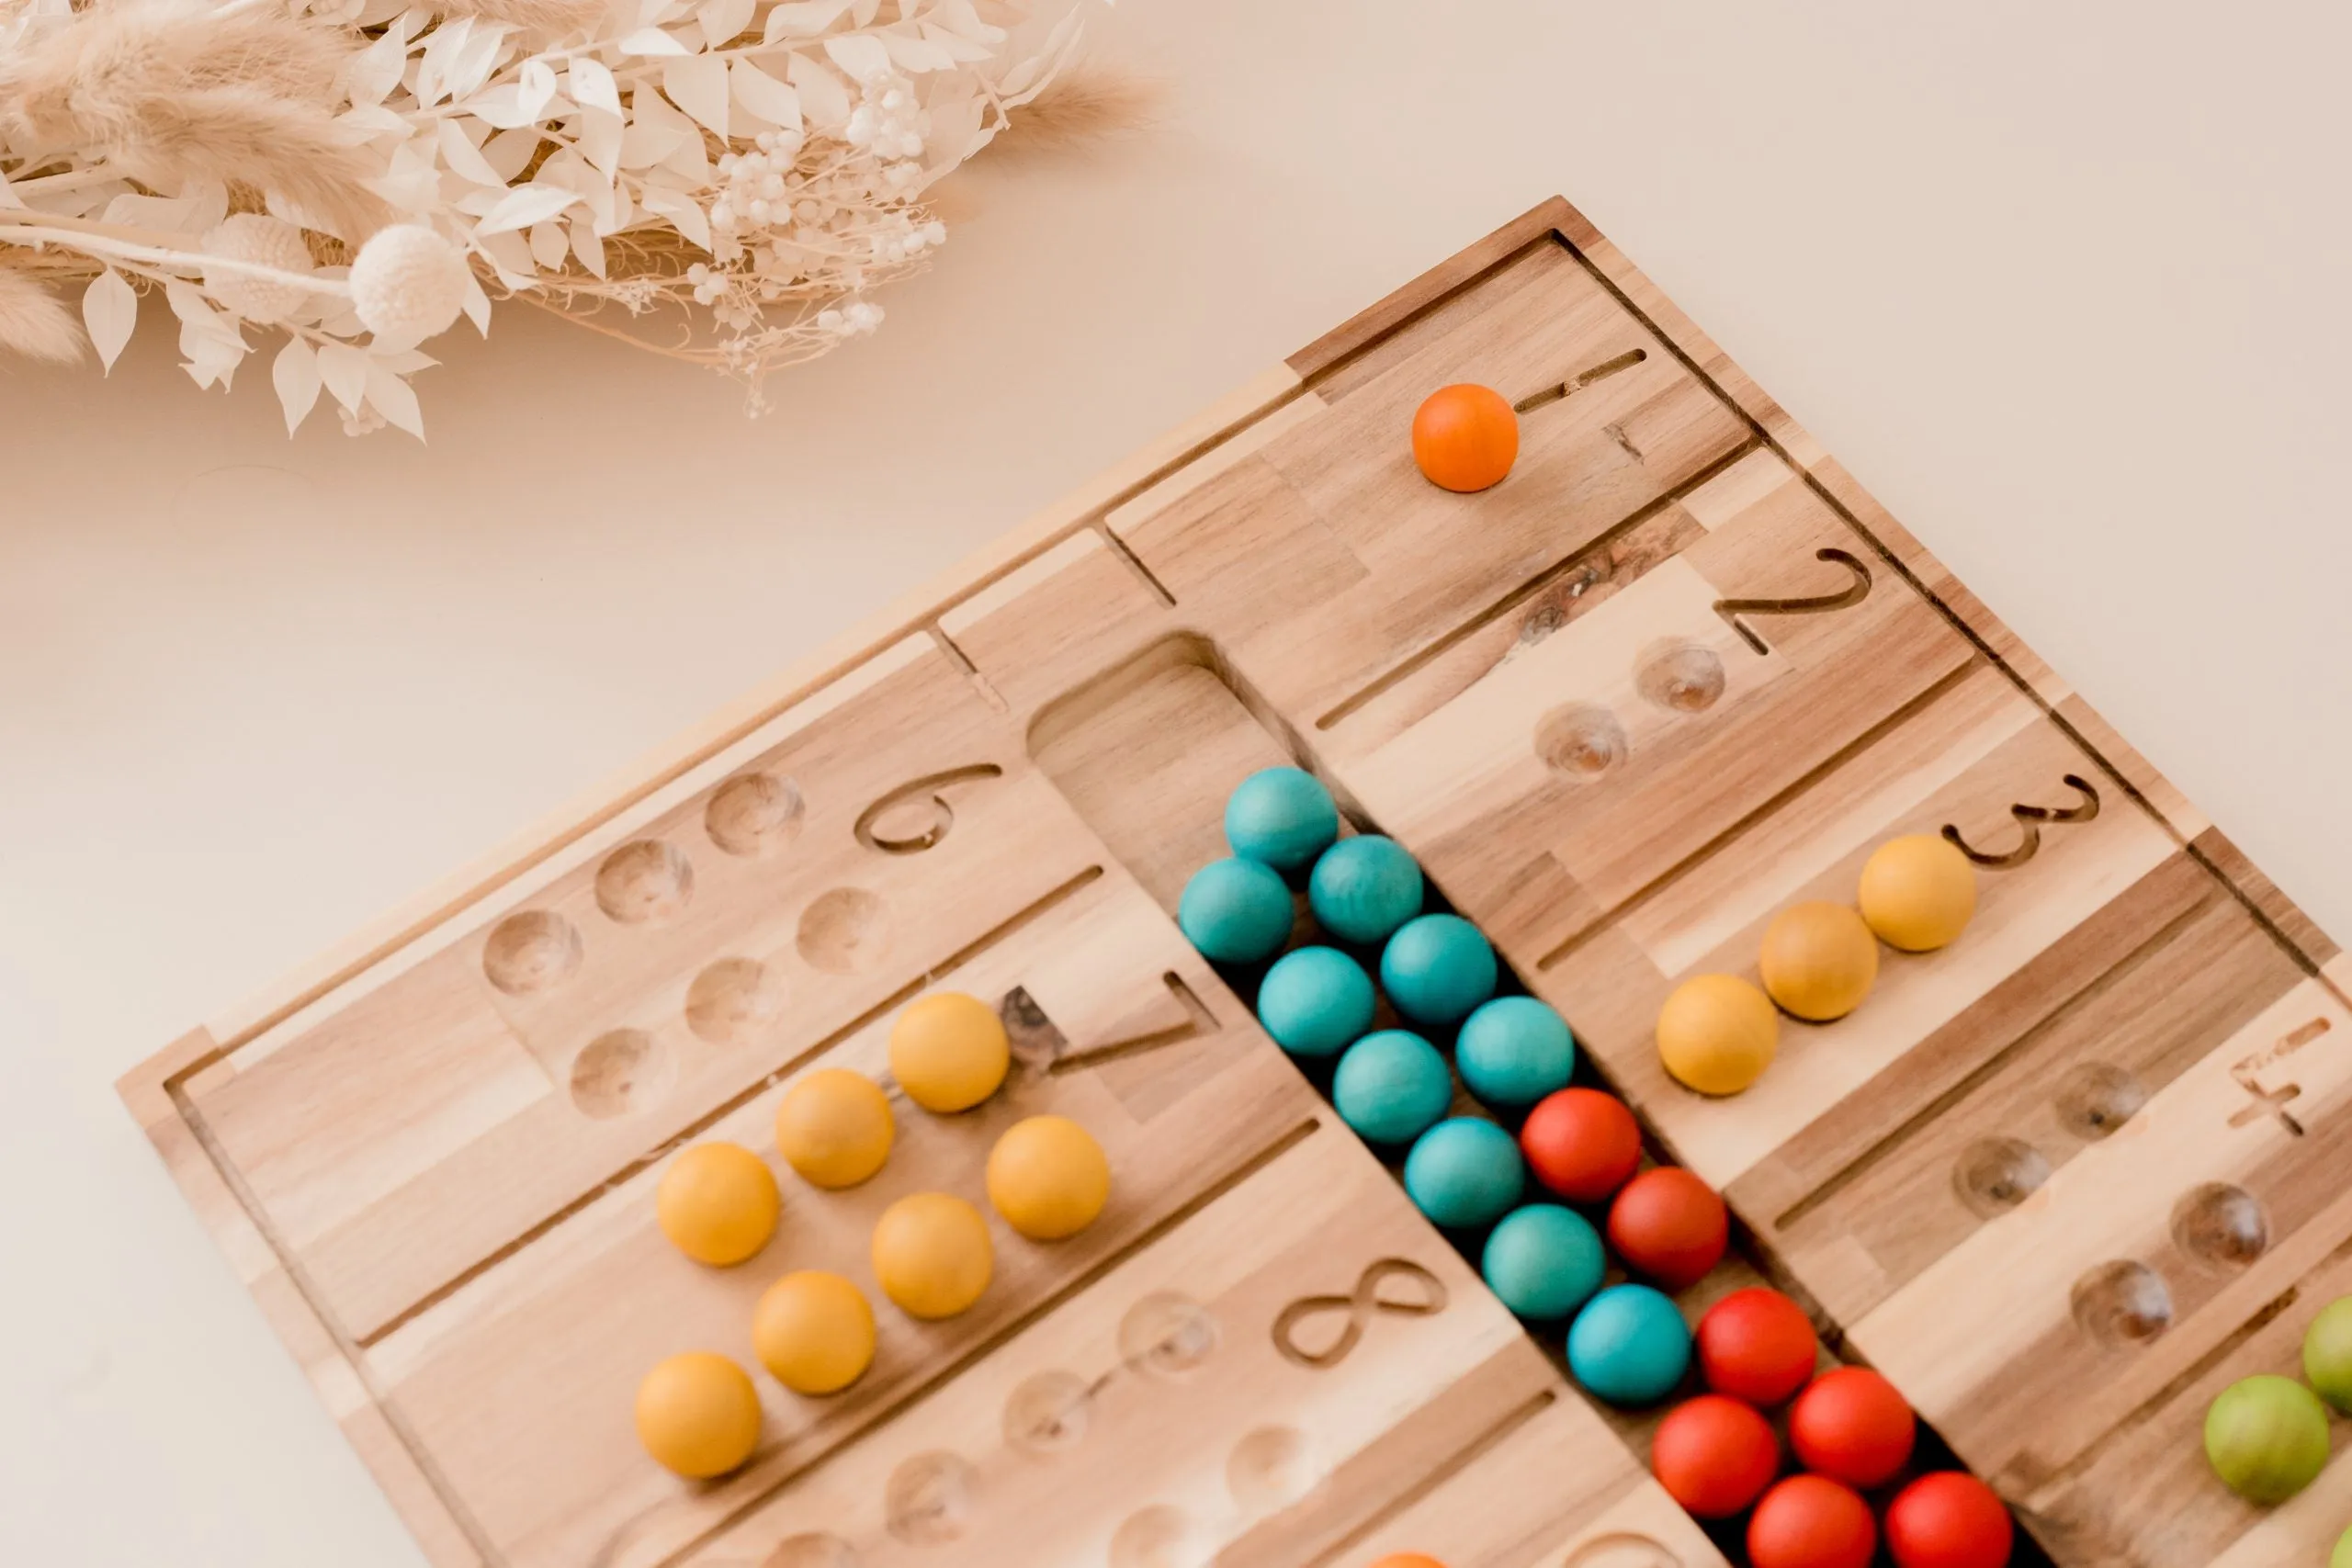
(1670, 1225)
(1948, 1520)
(1809, 1521)
(1756, 1344)
(1852, 1426)
(1714, 1456)
(1581, 1144)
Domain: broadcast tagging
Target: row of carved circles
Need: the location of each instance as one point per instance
(1582, 741)
(646, 882)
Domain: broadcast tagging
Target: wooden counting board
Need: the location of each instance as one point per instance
(2061, 1182)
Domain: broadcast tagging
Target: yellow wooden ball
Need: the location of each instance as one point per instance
(1917, 892)
(814, 1331)
(931, 1254)
(1048, 1177)
(717, 1203)
(833, 1127)
(949, 1052)
(1716, 1033)
(1819, 960)
(698, 1415)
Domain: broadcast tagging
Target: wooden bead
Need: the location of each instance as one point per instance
(1819, 960)
(1466, 437)
(1917, 892)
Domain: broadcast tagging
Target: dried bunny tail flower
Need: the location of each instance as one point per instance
(173, 90)
(553, 18)
(34, 321)
(1086, 104)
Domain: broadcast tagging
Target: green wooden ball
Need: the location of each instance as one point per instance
(1437, 968)
(2267, 1438)
(1363, 888)
(1315, 1001)
(2342, 1556)
(1392, 1086)
(1513, 1051)
(1465, 1173)
(1235, 911)
(2327, 1353)
(1543, 1262)
(1281, 817)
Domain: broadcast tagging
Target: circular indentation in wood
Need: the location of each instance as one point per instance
(1994, 1175)
(1156, 1537)
(1581, 741)
(928, 1499)
(534, 951)
(733, 1000)
(1680, 677)
(1168, 1335)
(1271, 1467)
(644, 883)
(2122, 1302)
(1048, 1413)
(2095, 1098)
(1621, 1549)
(811, 1550)
(2221, 1225)
(621, 1072)
(755, 814)
(845, 931)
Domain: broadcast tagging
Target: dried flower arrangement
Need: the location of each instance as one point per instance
(725, 181)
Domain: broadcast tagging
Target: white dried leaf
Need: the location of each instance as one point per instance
(589, 246)
(501, 105)
(524, 206)
(295, 374)
(345, 370)
(394, 399)
(464, 159)
(802, 19)
(476, 305)
(109, 309)
(508, 153)
(599, 140)
(683, 212)
(722, 19)
(764, 96)
(863, 58)
(653, 42)
(536, 87)
(549, 246)
(698, 85)
(911, 53)
(863, 12)
(822, 97)
(956, 46)
(592, 87)
(957, 17)
(376, 70)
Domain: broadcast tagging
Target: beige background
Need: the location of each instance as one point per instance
(2062, 284)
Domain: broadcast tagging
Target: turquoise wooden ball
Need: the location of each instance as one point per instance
(1315, 1001)
(1629, 1346)
(1513, 1051)
(1544, 1261)
(1282, 817)
(1236, 912)
(1392, 1086)
(1437, 968)
(1465, 1173)
(1363, 888)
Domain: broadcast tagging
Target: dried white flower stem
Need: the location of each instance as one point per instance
(158, 256)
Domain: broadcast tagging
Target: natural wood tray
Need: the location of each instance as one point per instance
(2061, 1182)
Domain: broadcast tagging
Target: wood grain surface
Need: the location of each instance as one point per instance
(2060, 1182)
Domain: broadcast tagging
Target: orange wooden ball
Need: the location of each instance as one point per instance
(1466, 437)
(1407, 1560)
